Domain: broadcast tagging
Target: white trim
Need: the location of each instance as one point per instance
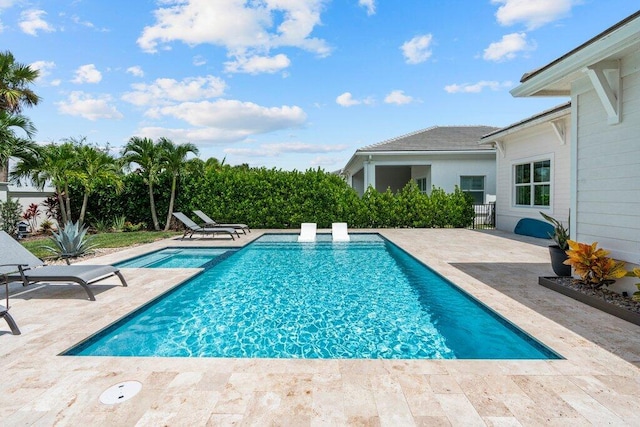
(560, 131)
(512, 182)
(573, 179)
(426, 152)
(610, 97)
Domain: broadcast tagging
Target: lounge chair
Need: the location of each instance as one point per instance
(208, 222)
(4, 313)
(20, 265)
(339, 232)
(191, 227)
(307, 232)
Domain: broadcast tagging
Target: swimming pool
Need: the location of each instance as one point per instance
(178, 257)
(278, 298)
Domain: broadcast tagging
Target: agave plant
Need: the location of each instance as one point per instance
(71, 241)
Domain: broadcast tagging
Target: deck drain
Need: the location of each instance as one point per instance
(120, 392)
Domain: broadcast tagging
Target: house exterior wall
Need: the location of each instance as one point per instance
(607, 167)
(442, 170)
(538, 142)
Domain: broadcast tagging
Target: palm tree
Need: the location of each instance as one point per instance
(95, 166)
(149, 157)
(10, 144)
(175, 158)
(53, 163)
(15, 79)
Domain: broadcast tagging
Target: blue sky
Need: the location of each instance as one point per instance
(290, 84)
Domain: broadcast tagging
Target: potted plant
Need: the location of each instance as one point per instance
(558, 252)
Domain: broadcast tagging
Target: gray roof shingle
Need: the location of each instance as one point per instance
(436, 138)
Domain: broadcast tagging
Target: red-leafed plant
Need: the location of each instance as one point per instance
(31, 215)
(593, 265)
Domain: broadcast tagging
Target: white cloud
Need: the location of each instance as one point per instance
(5, 4)
(89, 107)
(257, 64)
(136, 70)
(87, 74)
(234, 115)
(199, 60)
(347, 100)
(370, 5)
(477, 87)
(200, 135)
(418, 49)
(32, 21)
(532, 13)
(398, 97)
(508, 47)
(274, 150)
(43, 68)
(166, 91)
(243, 28)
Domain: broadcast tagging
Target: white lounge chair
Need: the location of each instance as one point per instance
(339, 232)
(307, 232)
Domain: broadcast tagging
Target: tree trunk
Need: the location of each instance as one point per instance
(154, 215)
(63, 209)
(171, 201)
(4, 172)
(83, 210)
(68, 201)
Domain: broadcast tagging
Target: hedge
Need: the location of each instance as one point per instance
(270, 198)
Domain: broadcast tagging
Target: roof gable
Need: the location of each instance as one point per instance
(435, 138)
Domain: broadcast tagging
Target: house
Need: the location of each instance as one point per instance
(25, 194)
(440, 156)
(602, 78)
(533, 167)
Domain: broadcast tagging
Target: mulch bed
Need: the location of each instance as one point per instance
(610, 297)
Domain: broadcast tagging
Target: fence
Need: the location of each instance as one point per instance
(485, 216)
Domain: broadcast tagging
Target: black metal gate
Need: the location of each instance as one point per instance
(485, 216)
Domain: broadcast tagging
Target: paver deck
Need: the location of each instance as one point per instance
(598, 382)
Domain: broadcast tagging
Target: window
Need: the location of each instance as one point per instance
(474, 185)
(422, 185)
(533, 183)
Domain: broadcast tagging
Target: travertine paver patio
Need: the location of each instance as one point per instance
(596, 384)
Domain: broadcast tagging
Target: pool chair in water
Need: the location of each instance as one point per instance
(208, 222)
(20, 265)
(192, 228)
(307, 232)
(339, 232)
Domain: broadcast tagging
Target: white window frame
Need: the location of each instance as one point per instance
(484, 185)
(426, 188)
(531, 184)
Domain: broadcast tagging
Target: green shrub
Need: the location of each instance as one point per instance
(10, 215)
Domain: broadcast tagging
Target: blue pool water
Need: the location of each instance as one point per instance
(175, 258)
(283, 299)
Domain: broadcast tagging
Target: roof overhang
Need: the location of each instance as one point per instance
(555, 79)
(548, 116)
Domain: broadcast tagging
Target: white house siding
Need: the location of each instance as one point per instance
(441, 170)
(537, 142)
(607, 160)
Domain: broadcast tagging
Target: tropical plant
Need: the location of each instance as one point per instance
(54, 163)
(46, 226)
(102, 226)
(15, 79)
(560, 234)
(119, 223)
(52, 209)
(593, 265)
(94, 167)
(635, 273)
(11, 145)
(149, 157)
(10, 216)
(71, 241)
(31, 215)
(175, 158)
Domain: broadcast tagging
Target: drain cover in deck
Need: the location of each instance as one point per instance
(120, 392)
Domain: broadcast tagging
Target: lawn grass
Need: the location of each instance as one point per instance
(102, 240)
